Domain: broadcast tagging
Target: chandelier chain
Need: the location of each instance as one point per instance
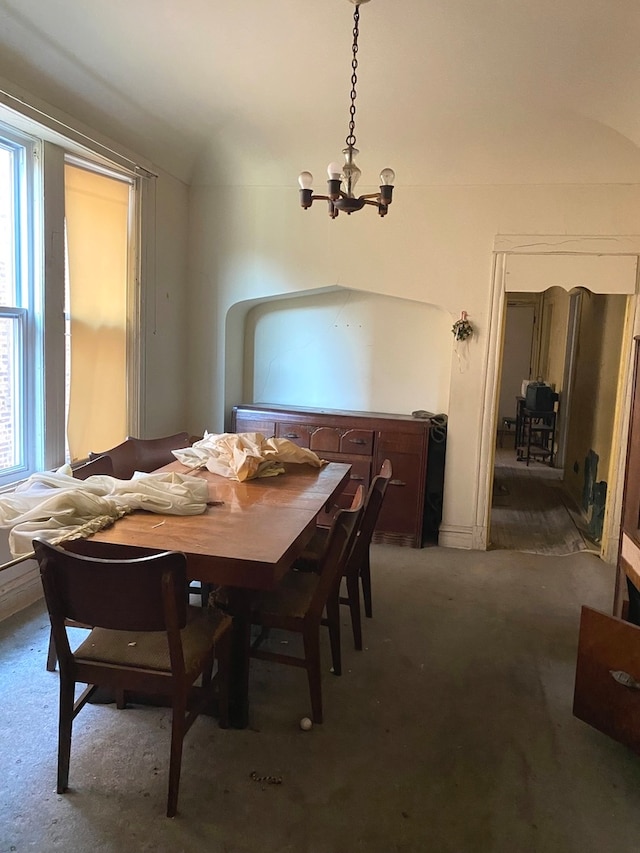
(351, 138)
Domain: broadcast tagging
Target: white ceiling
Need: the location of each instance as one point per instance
(450, 91)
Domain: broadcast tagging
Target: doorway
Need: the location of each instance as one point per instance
(557, 505)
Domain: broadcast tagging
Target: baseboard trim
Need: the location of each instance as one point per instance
(20, 592)
(451, 536)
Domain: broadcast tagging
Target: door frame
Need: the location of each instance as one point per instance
(619, 257)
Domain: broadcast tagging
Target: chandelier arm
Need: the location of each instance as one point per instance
(371, 195)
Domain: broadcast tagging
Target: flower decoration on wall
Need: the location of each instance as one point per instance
(462, 328)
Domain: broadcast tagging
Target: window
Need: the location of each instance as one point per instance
(68, 228)
(97, 207)
(20, 410)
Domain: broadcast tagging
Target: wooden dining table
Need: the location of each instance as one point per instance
(247, 539)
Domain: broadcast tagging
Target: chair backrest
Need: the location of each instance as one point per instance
(143, 454)
(153, 453)
(339, 545)
(369, 518)
(99, 465)
(122, 593)
(122, 457)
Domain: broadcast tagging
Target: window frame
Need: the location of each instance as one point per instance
(27, 302)
(44, 323)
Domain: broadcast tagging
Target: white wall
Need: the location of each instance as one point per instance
(341, 350)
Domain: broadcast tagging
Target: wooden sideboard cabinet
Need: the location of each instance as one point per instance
(412, 507)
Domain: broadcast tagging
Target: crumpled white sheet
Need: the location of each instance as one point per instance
(56, 506)
(244, 455)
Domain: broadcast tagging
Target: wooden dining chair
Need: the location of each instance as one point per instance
(142, 454)
(357, 571)
(147, 455)
(153, 453)
(99, 465)
(299, 603)
(146, 640)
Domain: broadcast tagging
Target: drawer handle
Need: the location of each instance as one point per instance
(397, 483)
(624, 678)
(356, 478)
(357, 441)
(292, 435)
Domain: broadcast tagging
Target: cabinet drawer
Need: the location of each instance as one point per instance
(297, 433)
(607, 645)
(266, 427)
(324, 440)
(357, 441)
(400, 442)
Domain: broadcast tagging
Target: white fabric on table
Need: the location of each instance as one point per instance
(244, 455)
(56, 506)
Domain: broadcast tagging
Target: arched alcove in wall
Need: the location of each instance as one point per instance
(340, 349)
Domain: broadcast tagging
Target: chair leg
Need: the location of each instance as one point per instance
(333, 622)
(365, 577)
(353, 592)
(311, 639)
(175, 762)
(52, 657)
(205, 590)
(222, 677)
(65, 724)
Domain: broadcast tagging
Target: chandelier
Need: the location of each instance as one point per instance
(343, 178)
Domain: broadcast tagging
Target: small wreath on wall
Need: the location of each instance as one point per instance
(462, 328)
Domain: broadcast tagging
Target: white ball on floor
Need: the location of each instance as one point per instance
(305, 724)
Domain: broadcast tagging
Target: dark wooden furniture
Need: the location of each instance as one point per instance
(535, 433)
(607, 694)
(146, 640)
(142, 454)
(415, 447)
(298, 604)
(247, 540)
(99, 465)
(357, 570)
(148, 454)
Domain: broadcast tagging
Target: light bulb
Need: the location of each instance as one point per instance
(334, 170)
(387, 177)
(305, 179)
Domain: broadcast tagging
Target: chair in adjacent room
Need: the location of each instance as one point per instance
(357, 571)
(299, 602)
(146, 640)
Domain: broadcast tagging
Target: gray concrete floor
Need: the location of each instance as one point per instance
(451, 732)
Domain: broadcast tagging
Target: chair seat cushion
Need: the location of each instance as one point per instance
(291, 599)
(150, 649)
